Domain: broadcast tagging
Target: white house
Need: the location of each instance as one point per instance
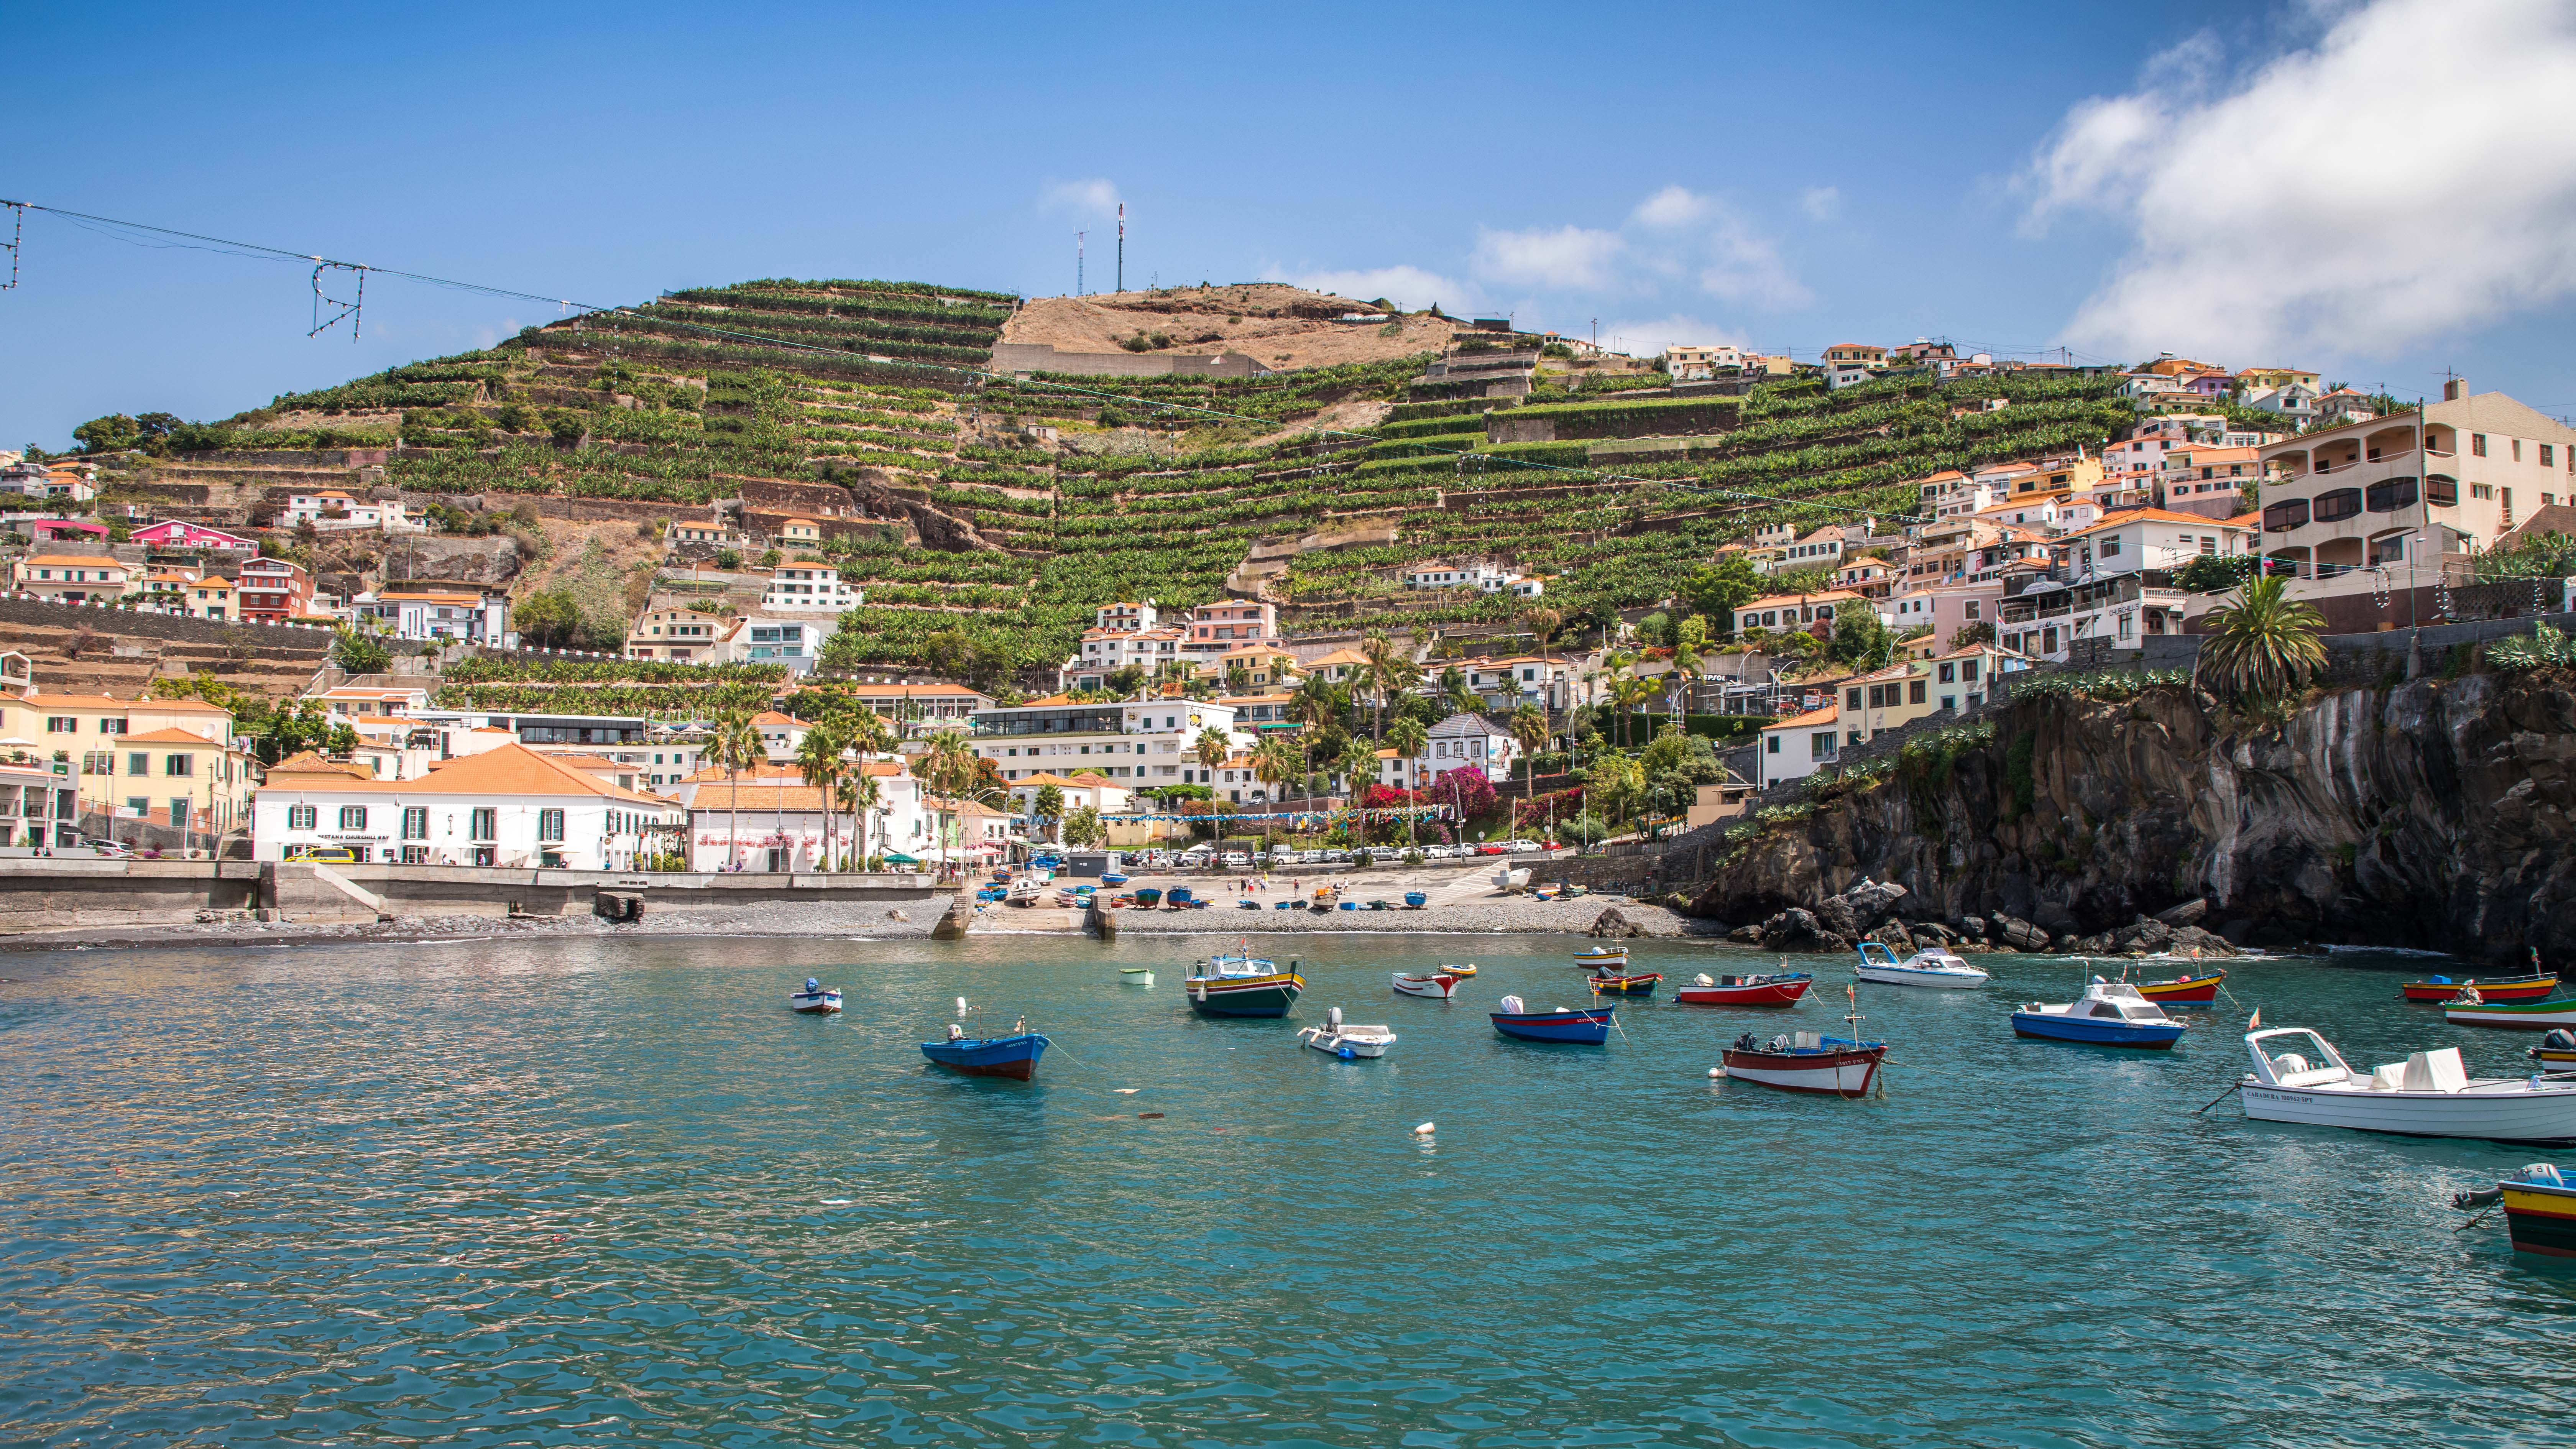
(73, 577)
(476, 618)
(509, 806)
(1455, 743)
(807, 587)
(798, 644)
(1109, 648)
(1136, 743)
(1795, 748)
(1080, 791)
(332, 509)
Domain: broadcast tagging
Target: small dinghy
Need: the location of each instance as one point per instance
(2539, 1209)
(2186, 992)
(1439, 985)
(2557, 1051)
(2430, 1094)
(1933, 967)
(1779, 988)
(1467, 970)
(1807, 1062)
(1113, 878)
(815, 999)
(2109, 1013)
(2434, 989)
(1639, 985)
(1347, 1041)
(1576, 1028)
(1415, 900)
(1135, 975)
(1014, 1056)
(1601, 958)
(2469, 1009)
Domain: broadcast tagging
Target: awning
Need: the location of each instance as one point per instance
(897, 857)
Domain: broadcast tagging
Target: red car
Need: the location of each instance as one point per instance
(1489, 850)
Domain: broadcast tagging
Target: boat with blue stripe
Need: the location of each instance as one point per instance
(2110, 1013)
(1014, 1056)
(1573, 1028)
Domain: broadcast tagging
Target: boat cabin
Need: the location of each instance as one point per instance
(2116, 1001)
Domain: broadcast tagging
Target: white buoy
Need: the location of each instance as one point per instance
(1129, 1091)
(1422, 1131)
(1717, 1071)
(961, 1006)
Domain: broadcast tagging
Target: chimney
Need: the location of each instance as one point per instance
(2455, 389)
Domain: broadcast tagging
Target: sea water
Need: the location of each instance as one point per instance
(583, 1192)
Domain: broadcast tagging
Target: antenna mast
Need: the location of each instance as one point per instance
(1122, 246)
(1077, 263)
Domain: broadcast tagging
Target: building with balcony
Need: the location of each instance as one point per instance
(1106, 650)
(74, 578)
(272, 590)
(1215, 628)
(684, 635)
(1127, 615)
(2399, 492)
(808, 587)
(1136, 743)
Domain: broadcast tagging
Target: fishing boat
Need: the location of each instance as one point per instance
(1467, 970)
(1149, 896)
(2539, 1209)
(2430, 1094)
(1509, 879)
(1779, 988)
(2505, 989)
(1242, 986)
(1135, 975)
(2556, 1052)
(1577, 1028)
(1639, 985)
(1601, 957)
(1024, 892)
(815, 999)
(1014, 1056)
(2109, 1013)
(1113, 878)
(2186, 991)
(2467, 1010)
(1415, 900)
(1929, 967)
(1438, 985)
(1807, 1062)
(1347, 1041)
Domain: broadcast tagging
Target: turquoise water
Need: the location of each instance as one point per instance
(579, 1193)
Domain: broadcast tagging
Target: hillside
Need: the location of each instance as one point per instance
(1273, 323)
(987, 518)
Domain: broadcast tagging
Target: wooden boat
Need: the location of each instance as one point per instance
(1639, 985)
(1934, 967)
(1014, 1056)
(1439, 985)
(2504, 989)
(1347, 1041)
(1806, 1062)
(1149, 896)
(2109, 1013)
(1771, 989)
(1415, 900)
(2512, 1015)
(1601, 957)
(2185, 991)
(1242, 986)
(1113, 878)
(815, 999)
(2539, 1209)
(2430, 1094)
(1572, 1028)
(1135, 975)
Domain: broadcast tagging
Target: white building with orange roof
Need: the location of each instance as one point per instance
(2207, 480)
(1794, 748)
(167, 589)
(1083, 789)
(330, 508)
(1126, 615)
(1340, 666)
(74, 578)
(510, 807)
(418, 611)
(1794, 611)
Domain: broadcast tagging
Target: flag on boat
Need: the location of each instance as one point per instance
(2255, 1022)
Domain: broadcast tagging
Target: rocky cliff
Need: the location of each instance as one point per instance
(2439, 814)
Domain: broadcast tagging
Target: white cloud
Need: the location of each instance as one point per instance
(2411, 173)
(1095, 197)
(1646, 337)
(1411, 288)
(1821, 203)
(1671, 207)
(1741, 265)
(1568, 257)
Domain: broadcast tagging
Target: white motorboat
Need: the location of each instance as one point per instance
(2299, 1077)
(1603, 958)
(1931, 967)
(1509, 879)
(1439, 985)
(815, 999)
(1347, 1041)
(1136, 975)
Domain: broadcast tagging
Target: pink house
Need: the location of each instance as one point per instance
(41, 529)
(176, 534)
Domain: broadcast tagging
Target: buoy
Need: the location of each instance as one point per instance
(1717, 1071)
(961, 1006)
(1129, 1091)
(1422, 1131)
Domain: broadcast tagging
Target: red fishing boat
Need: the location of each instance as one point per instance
(2184, 991)
(2493, 991)
(1775, 989)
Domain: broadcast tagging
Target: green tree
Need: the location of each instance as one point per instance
(1719, 589)
(1860, 639)
(733, 747)
(1048, 805)
(360, 653)
(818, 759)
(1409, 739)
(1083, 828)
(2211, 573)
(1273, 764)
(2263, 644)
(550, 619)
(1455, 694)
(1213, 749)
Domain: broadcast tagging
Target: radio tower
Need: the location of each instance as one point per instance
(1077, 263)
(1122, 246)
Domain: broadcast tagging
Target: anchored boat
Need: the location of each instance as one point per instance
(1014, 1056)
(1931, 967)
(2510, 988)
(1347, 1041)
(815, 999)
(2110, 1013)
(2427, 1095)
(1640, 985)
(2186, 992)
(1601, 957)
(1773, 989)
(2539, 1209)
(1806, 1062)
(1438, 985)
(1242, 986)
(1136, 975)
(2467, 1010)
(2556, 1052)
(1576, 1028)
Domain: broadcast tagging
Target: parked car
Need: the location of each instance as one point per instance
(1523, 847)
(1337, 857)
(323, 854)
(111, 849)
(1237, 857)
(1490, 848)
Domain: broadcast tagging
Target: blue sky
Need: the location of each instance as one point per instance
(2375, 190)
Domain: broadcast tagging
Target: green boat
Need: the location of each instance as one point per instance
(1242, 986)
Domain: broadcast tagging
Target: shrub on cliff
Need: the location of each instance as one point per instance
(2264, 644)
(2542, 648)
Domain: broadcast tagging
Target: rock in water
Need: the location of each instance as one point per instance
(1615, 926)
(2019, 934)
(952, 926)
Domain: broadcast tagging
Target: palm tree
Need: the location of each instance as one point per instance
(1529, 728)
(818, 759)
(1358, 764)
(1272, 763)
(868, 735)
(1455, 693)
(1542, 623)
(1409, 739)
(1317, 702)
(734, 746)
(1213, 749)
(1388, 670)
(2264, 644)
(1048, 803)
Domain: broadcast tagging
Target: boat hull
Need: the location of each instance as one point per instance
(2185, 991)
(2520, 988)
(2050, 1026)
(1593, 960)
(1908, 976)
(1438, 988)
(1768, 993)
(2541, 1118)
(1849, 1072)
(1568, 1028)
(1136, 978)
(2529, 1016)
(1015, 1057)
(819, 1003)
(1245, 995)
(2540, 1220)
(1625, 985)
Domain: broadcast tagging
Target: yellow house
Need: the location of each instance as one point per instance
(75, 578)
(801, 531)
(171, 758)
(211, 598)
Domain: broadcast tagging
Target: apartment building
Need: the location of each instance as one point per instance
(1126, 614)
(2207, 480)
(272, 590)
(684, 635)
(1225, 624)
(808, 587)
(1135, 743)
(510, 806)
(1107, 649)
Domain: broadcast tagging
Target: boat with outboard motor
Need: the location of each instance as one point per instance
(2109, 1013)
(1642, 984)
(1601, 958)
(2438, 989)
(816, 999)
(2556, 1052)
(2470, 1009)
(1776, 988)
(1014, 1056)
(1345, 1040)
(1573, 1028)
(1438, 985)
(1931, 966)
(1242, 985)
(2430, 1094)
(2539, 1209)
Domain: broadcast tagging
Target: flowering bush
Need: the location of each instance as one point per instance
(1466, 790)
(1536, 811)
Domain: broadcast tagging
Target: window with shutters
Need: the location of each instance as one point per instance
(415, 824)
(178, 764)
(300, 817)
(550, 825)
(486, 824)
(353, 817)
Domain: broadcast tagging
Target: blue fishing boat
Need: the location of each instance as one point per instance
(1579, 1028)
(2110, 1013)
(1113, 878)
(1014, 1056)
(1415, 900)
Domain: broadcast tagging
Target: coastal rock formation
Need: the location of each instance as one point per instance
(2437, 814)
(1615, 926)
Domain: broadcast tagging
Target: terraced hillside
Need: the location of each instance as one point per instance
(987, 517)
